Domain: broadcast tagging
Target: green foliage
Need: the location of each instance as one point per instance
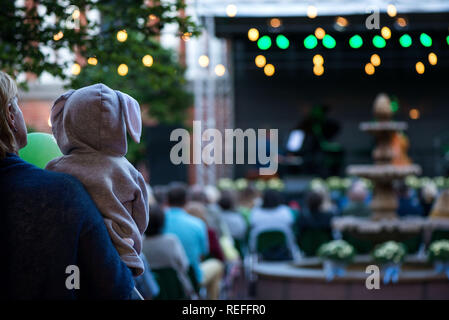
(27, 34)
(389, 252)
(337, 250)
(160, 88)
(439, 251)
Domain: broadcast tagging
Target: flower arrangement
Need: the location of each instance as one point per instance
(241, 184)
(275, 183)
(390, 252)
(439, 251)
(337, 250)
(225, 184)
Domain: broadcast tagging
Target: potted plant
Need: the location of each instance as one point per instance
(336, 255)
(439, 256)
(390, 256)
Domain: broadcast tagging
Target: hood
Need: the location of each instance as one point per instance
(95, 118)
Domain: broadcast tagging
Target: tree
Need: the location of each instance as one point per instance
(156, 81)
(31, 31)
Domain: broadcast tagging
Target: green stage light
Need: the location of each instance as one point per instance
(356, 41)
(379, 42)
(282, 41)
(310, 42)
(447, 40)
(264, 43)
(405, 40)
(329, 42)
(425, 39)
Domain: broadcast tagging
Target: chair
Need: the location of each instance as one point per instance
(310, 240)
(273, 243)
(170, 286)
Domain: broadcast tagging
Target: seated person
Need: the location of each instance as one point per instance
(427, 197)
(199, 210)
(408, 205)
(272, 211)
(165, 250)
(234, 220)
(192, 232)
(357, 206)
(313, 217)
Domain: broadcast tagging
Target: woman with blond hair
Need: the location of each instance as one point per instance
(54, 241)
(441, 207)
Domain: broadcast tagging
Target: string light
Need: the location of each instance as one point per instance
(386, 33)
(375, 60)
(414, 114)
(433, 59)
(76, 69)
(186, 36)
(391, 10)
(92, 61)
(260, 61)
(405, 40)
(264, 43)
(220, 70)
(401, 22)
(231, 10)
(312, 12)
(342, 22)
(122, 35)
(318, 60)
(147, 60)
(369, 69)
(275, 23)
(203, 61)
(253, 34)
(320, 33)
(310, 42)
(318, 70)
(420, 68)
(122, 70)
(329, 42)
(58, 36)
(282, 42)
(379, 42)
(425, 39)
(356, 41)
(268, 70)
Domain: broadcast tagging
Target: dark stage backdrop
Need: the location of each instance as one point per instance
(281, 101)
(162, 171)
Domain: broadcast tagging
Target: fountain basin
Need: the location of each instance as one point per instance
(305, 279)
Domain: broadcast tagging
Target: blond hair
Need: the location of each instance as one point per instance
(8, 90)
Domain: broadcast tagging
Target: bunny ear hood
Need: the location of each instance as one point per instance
(95, 118)
(131, 112)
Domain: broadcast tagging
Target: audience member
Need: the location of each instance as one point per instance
(408, 205)
(165, 250)
(427, 196)
(192, 233)
(233, 219)
(357, 205)
(313, 217)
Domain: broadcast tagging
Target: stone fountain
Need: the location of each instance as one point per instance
(384, 224)
(383, 172)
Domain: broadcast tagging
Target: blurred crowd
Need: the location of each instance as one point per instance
(203, 234)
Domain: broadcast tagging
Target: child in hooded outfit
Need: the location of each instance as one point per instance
(90, 126)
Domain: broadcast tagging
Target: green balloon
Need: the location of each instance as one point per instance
(40, 150)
